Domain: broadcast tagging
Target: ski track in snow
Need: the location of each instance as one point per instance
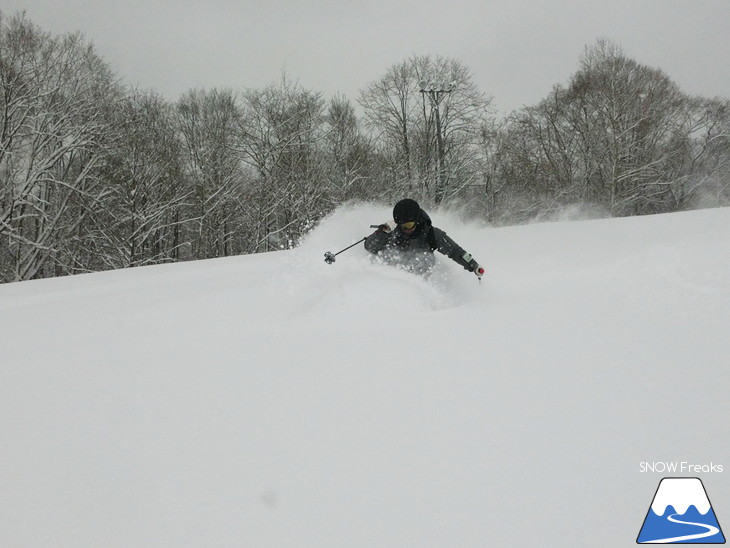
(711, 530)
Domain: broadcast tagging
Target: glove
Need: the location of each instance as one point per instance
(386, 227)
(476, 269)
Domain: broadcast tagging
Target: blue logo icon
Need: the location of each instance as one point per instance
(681, 513)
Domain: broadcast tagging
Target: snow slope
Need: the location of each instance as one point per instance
(273, 400)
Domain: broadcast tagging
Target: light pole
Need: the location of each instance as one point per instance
(435, 91)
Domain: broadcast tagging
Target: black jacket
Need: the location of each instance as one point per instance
(425, 240)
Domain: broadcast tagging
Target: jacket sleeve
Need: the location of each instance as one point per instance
(452, 250)
(376, 241)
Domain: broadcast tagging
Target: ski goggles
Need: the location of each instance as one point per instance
(410, 225)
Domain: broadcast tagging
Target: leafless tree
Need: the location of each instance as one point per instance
(435, 155)
(144, 215)
(391, 109)
(57, 100)
(94, 176)
(635, 116)
(707, 163)
(349, 154)
(621, 135)
(280, 137)
(208, 122)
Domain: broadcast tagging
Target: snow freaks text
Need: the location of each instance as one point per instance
(679, 467)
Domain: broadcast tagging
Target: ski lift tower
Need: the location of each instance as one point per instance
(436, 91)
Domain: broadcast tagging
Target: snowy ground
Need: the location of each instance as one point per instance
(275, 401)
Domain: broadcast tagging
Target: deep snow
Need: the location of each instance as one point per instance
(275, 400)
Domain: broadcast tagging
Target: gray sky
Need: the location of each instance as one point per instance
(516, 49)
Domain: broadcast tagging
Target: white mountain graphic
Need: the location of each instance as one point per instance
(689, 515)
(681, 493)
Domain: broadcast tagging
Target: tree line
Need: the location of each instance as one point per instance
(97, 176)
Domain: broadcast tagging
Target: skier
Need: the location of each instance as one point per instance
(412, 241)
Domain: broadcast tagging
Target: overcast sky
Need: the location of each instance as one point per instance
(516, 49)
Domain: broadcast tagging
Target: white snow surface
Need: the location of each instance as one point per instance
(680, 493)
(273, 400)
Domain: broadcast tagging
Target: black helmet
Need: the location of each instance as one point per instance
(406, 210)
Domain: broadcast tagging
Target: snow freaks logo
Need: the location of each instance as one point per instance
(680, 513)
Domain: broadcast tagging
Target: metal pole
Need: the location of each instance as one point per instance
(436, 92)
(329, 257)
(441, 188)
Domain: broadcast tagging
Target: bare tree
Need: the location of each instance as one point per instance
(636, 119)
(391, 108)
(707, 163)
(459, 133)
(349, 154)
(145, 211)
(435, 154)
(208, 122)
(57, 100)
(93, 176)
(621, 135)
(280, 137)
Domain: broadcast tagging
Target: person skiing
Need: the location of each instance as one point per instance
(412, 241)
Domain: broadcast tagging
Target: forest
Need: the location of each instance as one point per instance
(95, 175)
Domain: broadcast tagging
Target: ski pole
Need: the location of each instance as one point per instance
(329, 257)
